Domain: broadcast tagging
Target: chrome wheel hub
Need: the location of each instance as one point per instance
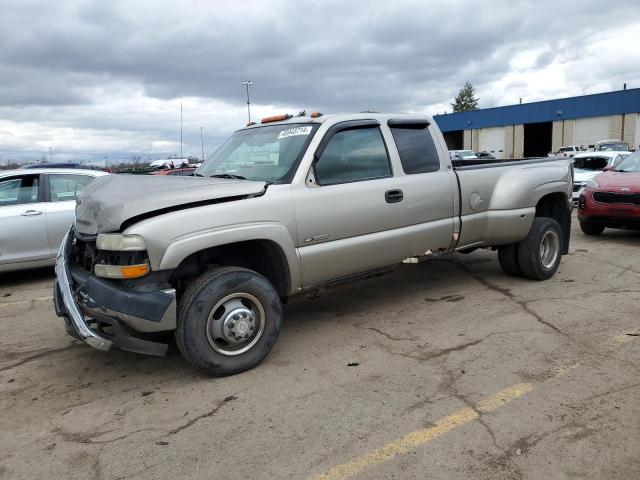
(549, 249)
(238, 325)
(235, 324)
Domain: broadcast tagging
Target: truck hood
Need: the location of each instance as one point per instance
(625, 182)
(105, 204)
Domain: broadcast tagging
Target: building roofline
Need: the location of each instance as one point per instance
(582, 106)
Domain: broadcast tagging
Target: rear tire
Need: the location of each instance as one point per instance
(589, 228)
(540, 252)
(229, 320)
(508, 259)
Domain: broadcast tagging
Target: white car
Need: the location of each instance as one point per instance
(37, 207)
(589, 164)
(611, 146)
(462, 155)
(567, 152)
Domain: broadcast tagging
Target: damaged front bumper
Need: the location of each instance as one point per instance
(105, 314)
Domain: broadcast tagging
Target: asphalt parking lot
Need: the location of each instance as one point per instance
(448, 370)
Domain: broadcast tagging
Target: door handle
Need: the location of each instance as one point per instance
(31, 213)
(393, 196)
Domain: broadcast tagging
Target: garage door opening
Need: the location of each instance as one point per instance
(454, 139)
(537, 139)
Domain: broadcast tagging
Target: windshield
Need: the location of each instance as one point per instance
(613, 147)
(629, 164)
(264, 153)
(590, 163)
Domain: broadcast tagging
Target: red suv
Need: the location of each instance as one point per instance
(612, 199)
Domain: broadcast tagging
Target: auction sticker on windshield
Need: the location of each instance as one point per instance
(291, 132)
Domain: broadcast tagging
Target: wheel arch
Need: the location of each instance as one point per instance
(263, 256)
(556, 206)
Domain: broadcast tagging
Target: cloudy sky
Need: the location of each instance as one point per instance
(96, 79)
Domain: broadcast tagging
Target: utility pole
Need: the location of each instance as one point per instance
(180, 131)
(50, 155)
(246, 83)
(202, 143)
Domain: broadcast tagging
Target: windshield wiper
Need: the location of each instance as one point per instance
(228, 175)
(197, 174)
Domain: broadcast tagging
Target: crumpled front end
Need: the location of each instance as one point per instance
(110, 201)
(107, 313)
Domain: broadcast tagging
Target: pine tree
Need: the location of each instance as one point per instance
(466, 100)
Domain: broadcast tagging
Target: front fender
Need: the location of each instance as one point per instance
(181, 247)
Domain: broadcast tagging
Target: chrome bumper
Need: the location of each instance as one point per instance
(86, 333)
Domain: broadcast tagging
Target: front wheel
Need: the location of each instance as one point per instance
(590, 228)
(540, 252)
(229, 320)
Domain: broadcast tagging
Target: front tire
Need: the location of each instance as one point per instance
(229, 320)
(589, 228)
(540, 252)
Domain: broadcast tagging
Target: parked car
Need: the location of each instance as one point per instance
(169, 163)
(589, 164)
(284, 207)
(54, 165)
(485, 155)
(612, 199)
(180, 172)
(567, 152)
(462, 155)
(611, 146)
(36, 210)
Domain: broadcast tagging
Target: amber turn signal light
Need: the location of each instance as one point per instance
(122, 271)
(276, 118)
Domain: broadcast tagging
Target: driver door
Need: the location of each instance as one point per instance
(350, 212)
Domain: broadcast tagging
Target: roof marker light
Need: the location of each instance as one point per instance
(275, 118)
(315, 114)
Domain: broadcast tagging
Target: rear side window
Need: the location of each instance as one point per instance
(418, 153)
(65, 187)
(353, 155)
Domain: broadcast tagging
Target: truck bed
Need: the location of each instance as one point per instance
(496, 162)
(498, 198)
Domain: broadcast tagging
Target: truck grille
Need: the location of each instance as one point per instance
(85, 253)
(617, 198)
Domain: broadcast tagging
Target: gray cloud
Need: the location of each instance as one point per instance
(61, 61)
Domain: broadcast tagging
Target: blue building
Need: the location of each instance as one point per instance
(537, 128)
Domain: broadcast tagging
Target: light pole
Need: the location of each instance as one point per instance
(50, 155)
(202, 143)
(246, 83)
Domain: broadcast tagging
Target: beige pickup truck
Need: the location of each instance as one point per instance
(285, 206)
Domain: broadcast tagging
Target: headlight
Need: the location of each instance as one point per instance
(591, 184)
(121, 271)
(120, 243)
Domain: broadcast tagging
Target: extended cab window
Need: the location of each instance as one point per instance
(417, 150)
(353, 155)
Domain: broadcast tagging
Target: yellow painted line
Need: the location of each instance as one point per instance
(414, 439)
